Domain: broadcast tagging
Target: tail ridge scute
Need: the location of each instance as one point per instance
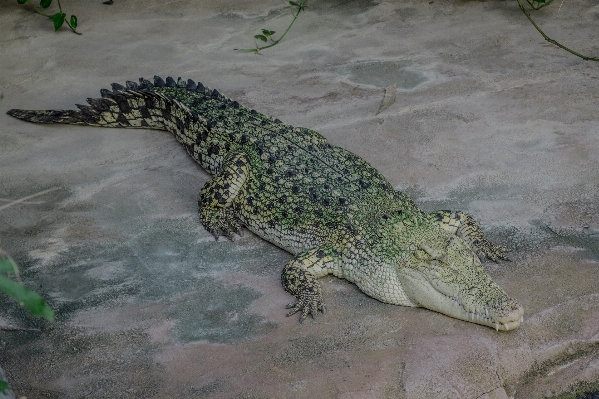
(137, 105)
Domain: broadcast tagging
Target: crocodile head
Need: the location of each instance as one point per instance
(450, 279)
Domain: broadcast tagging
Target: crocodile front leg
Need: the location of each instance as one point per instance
(464, 226)
(299, 279)
(217, 195)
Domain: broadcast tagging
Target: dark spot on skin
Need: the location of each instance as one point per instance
(213, 150)
(144, 113)
(121, 119)
(295, 189)
(342, 201)
(124, 106)
(363, 184)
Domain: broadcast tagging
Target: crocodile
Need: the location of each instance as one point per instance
(334, 212)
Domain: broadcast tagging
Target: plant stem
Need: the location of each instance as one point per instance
(257, 49)
(584, 57)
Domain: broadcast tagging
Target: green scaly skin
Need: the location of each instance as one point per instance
(332, 210)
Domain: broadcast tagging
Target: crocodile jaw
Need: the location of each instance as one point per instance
(435, 295)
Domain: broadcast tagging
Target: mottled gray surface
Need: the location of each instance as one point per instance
(489, 119)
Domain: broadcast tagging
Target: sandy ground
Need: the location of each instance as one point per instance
(489, 119)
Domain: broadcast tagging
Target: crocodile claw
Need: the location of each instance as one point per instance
(308, 306)
(220, 223)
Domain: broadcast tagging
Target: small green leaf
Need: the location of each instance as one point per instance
(261, 37)
(45, 3)
(6, 266)
(4, 384)
(32, 301)
(73, 22)
(293, 3)
(267, 32)
(21, 1)
(58, 20)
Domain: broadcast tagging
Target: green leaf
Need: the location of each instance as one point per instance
(293, 3)
(6, 266)
(45, 3)
(267, 32)
(32, 301)
(21, 1)
(4, 384)
(261, 37)
(58, 20)
(73, 22)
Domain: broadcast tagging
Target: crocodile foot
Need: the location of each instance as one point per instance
(302, 284)
(219, 222)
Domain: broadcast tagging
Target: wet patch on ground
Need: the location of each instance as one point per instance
(384, 73)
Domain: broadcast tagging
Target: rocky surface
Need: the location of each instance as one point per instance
(488, 118)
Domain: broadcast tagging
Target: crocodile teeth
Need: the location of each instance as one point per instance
(497, 326)
(507, 327)
(522, 319)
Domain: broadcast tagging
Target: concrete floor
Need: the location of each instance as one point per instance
(489, 119)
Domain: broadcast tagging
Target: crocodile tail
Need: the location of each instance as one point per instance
(131, 106)
(136, 105)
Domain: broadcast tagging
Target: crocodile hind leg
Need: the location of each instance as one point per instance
(464, 226)
(299, 278)
(217, 196)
